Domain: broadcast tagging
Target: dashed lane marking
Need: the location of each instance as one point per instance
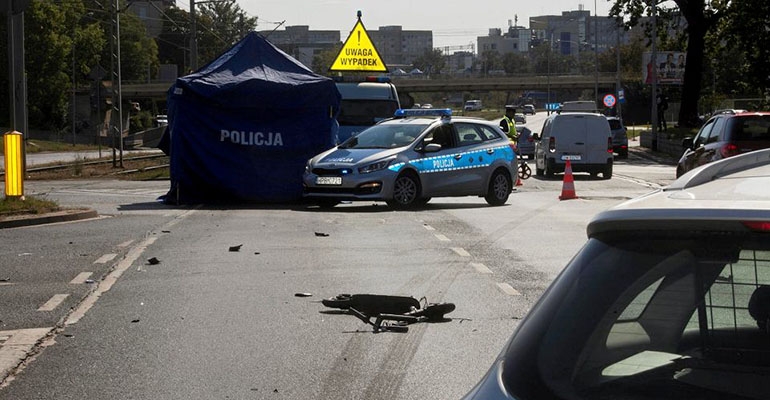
(460, 251)
(105, 259)
(106, 284)
(442, 238)
(54, 302)
(125, 244)
(428, 227)
(81, 278)
(481, 268)
(508, 289)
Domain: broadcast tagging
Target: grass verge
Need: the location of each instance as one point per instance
(10, 206)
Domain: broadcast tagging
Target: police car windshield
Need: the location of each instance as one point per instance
(385, 136)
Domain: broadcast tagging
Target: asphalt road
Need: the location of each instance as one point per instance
(85, 314)
(206, 322)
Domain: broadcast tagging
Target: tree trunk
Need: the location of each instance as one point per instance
(697, 26)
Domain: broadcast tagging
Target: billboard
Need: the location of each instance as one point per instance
(669, 66)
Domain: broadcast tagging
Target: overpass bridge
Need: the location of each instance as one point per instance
(605, 82)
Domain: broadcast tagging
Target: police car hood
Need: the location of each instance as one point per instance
(339, 156)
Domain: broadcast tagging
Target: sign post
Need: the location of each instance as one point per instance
(358, 52)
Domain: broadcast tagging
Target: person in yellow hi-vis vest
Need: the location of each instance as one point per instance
(508, 125)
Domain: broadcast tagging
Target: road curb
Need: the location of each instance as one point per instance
(48, 218)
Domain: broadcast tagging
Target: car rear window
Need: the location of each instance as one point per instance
(615, 124)
(752, 128)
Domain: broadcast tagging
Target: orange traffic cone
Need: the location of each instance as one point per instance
(518, 181)
(568, 188)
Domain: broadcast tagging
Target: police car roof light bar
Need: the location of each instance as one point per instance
(419, 112)
(380, 79)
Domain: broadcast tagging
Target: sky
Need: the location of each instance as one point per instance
(453, 22)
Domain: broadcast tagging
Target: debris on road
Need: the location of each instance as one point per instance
(321, 234)
(303, 294)
(236, 247)
(391, 313)
(153, 261)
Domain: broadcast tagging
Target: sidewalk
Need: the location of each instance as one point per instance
(644, 152)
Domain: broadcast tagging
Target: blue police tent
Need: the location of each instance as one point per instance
(242, 128)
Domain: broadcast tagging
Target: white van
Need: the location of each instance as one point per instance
(472, 105)
(364, 104)
(583, 138)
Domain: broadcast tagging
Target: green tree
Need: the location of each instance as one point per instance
(430, 62)
(516, 63)
(490, 60)
(48, 60)
(174, 40)
(323, 60)
(701, 16)
(138, 52)
(220, 25)
(746, 29)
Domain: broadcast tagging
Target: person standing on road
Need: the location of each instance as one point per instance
(508, 125)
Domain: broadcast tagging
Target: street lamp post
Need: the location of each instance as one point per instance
(596, 54)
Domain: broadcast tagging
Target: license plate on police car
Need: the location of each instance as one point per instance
(572, 157)
(328, 180)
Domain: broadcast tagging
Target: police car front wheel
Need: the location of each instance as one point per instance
(406, 191)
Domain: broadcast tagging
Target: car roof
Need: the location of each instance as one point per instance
(717, 196)
(430, 119)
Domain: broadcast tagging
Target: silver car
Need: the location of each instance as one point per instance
(412, 157)
(668, 299)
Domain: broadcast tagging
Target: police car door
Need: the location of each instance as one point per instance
(440, 174)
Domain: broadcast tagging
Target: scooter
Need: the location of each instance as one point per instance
(400, 310)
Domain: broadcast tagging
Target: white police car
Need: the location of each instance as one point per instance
(412, 157)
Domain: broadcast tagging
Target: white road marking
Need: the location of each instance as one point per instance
(460, 251)
(54, 302)
(81, 278)
(508, 289)
(105, 259)
(14, 346)
(481, 268)
(442, 238)
(125, 244)
(428, 227)
(106, 284)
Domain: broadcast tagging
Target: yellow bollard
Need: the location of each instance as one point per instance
(14, 169)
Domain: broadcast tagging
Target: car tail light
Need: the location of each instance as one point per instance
(609, 145)
(729, 150)
(759, 226)
(552, 144)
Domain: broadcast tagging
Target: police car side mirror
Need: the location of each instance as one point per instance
(687, 143)
(431, 147)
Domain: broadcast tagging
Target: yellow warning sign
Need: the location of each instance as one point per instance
(358, 53)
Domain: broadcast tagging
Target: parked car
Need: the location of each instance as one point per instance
(668, 299)
(529, 109)
(619, 137)
(725, 134)
(519, 118)
(472, 105)
(426, 105)
(526, 142)
(581, 137)
(417, 155)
